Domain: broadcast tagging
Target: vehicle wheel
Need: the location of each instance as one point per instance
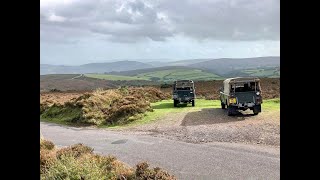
(223, 106)
(257, 109)
(193, 103)
(230, 111)
(174, 103)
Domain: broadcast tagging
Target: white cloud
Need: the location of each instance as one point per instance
(55, 18)
(48, 3)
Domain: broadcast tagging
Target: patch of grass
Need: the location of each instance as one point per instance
(164, 107)
(251, 71)
(114, 77)
(161, 75)
(62, 114)
(273, 72)
(271, 104)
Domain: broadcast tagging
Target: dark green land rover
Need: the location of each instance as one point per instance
(183, 92)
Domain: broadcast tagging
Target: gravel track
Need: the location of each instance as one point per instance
(213, 125)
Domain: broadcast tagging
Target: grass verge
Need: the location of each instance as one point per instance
(164, 107)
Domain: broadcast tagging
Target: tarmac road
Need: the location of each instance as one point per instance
(184, 160)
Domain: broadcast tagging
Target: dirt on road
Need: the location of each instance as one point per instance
(213, 125)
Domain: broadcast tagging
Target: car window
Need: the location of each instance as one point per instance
(184, 88)
(244, 87)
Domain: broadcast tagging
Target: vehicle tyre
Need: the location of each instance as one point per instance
(223, 106)
(193, 103)
(257, 109)
(174, 103)
(230, 111)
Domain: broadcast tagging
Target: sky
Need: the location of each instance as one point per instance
(74, 32)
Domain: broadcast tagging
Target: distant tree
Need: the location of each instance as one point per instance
(154, 79)
(54, 90)
(165, 85)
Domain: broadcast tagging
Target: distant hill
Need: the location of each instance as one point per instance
(224, 67)
(187, 62)
(93, 67)
(166, 74)
(227, 66)
(148, 70)
(176, 63)
(78, 82)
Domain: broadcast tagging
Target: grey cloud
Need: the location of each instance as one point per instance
(130, 21)
(221, 19)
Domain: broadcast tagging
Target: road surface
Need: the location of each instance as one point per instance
(184, 160)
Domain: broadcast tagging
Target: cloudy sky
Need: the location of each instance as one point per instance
(83, 31)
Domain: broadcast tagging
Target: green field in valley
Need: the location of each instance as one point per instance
(176, 74)
(262, 72)
(162, 75)
(113, 77)
(169, 75)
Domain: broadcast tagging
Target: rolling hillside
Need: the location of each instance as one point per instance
(269, 72)
(114, 77)
(178, 74)
(93, 67)
(164, 74)
(228, 66)
(78, 82)
(148, 70)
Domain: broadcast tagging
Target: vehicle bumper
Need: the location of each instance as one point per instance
(246, 105)
(243, 106)
(184, 100)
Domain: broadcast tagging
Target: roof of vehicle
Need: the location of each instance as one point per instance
(241, 79)
(183, 81)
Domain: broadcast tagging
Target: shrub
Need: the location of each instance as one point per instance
(79, 162)
(97, 106)
(155, 79)
(54, 90)
(47, 158)
(165, 85)
(68, 167)
(45, 144)
(75, 150)
(43, 107)
(143, 172)
(125, 110)
(117, 106)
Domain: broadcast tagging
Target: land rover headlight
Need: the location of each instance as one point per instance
(258, 93)
(175, 96)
